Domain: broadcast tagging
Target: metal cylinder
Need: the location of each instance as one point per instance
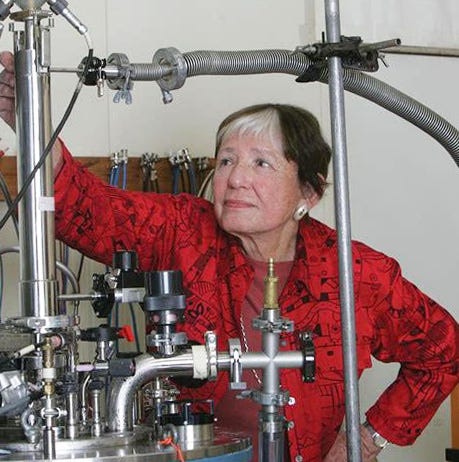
(38, 285)
(72, 415)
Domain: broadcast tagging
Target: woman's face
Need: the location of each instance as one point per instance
(256, 189)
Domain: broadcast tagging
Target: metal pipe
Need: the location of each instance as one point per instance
(38, 285)
(83, 401)
(72, 415)
(122, 391)
(342, 213)
(79, 297)
(423, 51)
(96, 428)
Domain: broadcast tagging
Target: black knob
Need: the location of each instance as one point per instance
(125, 260)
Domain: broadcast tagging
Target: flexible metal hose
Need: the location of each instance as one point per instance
(245, 62)
(297, 63)
(404, 106)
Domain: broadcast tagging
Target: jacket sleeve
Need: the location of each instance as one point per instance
(415, 331)
(98, 219)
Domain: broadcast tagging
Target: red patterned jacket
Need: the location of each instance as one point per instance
(395, 321)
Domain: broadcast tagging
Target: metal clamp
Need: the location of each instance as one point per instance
(309, 359)
(236, 383)
(274, 326)
(267, 399)
(211, 348)
(121, 62)
(353, 52)
(174, 64)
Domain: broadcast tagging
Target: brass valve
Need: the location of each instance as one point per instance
(270, 293)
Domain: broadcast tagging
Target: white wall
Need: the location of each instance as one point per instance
(403, 184)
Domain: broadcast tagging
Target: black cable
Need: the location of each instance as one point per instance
(8, 200)
(48, 148)
(80, 267)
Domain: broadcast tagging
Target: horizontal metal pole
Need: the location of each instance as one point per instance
(423, 51)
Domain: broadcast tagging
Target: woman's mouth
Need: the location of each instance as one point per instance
(237, 204)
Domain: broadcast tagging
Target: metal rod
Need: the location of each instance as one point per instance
(79, 297)
(423, 51)
(342, 212)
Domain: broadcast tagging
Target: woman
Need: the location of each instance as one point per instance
(271, 166)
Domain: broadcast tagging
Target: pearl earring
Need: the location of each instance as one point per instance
(300, 212)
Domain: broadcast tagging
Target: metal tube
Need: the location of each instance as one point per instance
(259, 360)
(96, 429)
(342, 212)
(423, 51)
(78, 297)
(38, 285)
(122, 391)
(83, 400)
(72, 415)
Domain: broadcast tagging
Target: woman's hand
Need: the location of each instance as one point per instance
(8, 103)
(338, 452)
(7, 96)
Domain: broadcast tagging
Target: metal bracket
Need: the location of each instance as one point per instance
(353, 52)
(309, 360)
(235, 350)
(267, 399)
(274, 326)
(211, 348)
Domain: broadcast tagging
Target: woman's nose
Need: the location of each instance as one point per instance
(239, 176)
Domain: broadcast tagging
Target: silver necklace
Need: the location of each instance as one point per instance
(246, 346)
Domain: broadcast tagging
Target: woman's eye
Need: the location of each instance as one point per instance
(224, 162)
(262, 163)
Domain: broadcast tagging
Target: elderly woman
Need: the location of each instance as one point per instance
(271, 166)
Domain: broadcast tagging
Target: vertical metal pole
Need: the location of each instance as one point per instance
(38, 285)
(342, 212)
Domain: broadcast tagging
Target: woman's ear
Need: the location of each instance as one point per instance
(310, 196)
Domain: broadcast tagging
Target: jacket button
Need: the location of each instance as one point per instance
(298, 458)
(290, 424)
(291, 401)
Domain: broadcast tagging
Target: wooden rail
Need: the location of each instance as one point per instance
(455, 418)
(100, 166)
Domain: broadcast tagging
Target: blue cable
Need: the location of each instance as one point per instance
(124, 180)
(110, 176)
(117, 176)
(192, 177)
(175, 179)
